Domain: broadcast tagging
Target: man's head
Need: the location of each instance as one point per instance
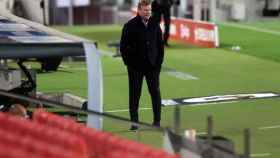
(145, 9)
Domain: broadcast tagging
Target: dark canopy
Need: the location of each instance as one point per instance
(19, 40)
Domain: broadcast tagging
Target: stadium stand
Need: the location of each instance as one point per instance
(38, 139)
(51, 136)
(100, 144)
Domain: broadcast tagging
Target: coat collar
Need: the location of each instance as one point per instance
(139, 20)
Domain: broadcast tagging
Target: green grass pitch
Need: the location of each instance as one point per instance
(255, 68)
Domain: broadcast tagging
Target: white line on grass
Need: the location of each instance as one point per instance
(106, 53)
(77, 68)
(261, 155)
(269, 127)
(201, 133)
(178, 74)
(253, 28)
(72, 67)
(126, 110)
(194, 105)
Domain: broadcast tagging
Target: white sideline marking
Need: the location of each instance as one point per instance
(178, 74)
(142, 109)
(253, 28)
(72, 67)
(260, 155)
(126, 110)
(181, 75)
(269, 127)
(201, 133)
(76, 68)
(105, 53)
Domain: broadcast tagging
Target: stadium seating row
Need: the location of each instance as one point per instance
(52, 136)
(38, 141)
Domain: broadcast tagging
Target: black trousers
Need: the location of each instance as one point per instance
(135, 78)
(158, 11)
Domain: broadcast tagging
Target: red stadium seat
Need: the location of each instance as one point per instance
(100, 144)
(62, 140)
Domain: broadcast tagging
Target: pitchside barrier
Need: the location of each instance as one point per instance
(199, 33)
(188, 31)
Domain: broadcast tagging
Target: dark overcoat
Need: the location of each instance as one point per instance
(142, 46)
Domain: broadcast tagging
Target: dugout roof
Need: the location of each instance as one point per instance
(20, 38)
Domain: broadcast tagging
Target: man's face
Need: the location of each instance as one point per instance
(145, 11)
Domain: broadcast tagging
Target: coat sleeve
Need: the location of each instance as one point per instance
(124, 44)
(160, 45)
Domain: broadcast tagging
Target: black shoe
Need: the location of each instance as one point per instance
(133, 128)
(157, 124)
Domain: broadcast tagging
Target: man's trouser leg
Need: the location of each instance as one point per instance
(152, 79)
(135, 79)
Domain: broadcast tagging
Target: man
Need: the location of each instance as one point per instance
(159, 8)
(142, 52)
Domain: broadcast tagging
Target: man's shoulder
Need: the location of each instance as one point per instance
(132, 21)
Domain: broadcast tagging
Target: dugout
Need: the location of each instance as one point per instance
(23, 40)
